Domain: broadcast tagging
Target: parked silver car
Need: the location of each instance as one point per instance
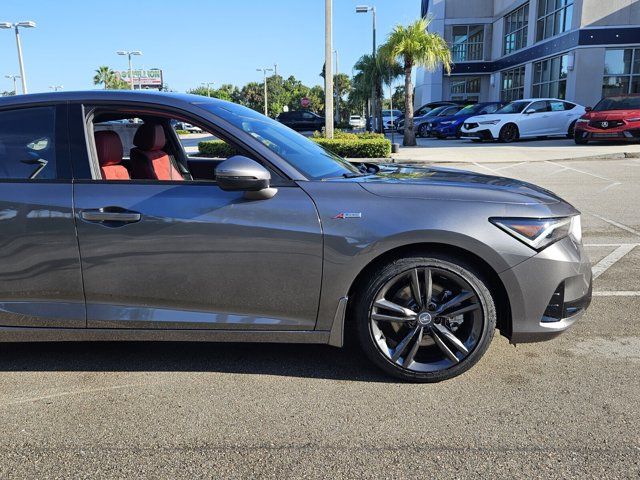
(266, 237)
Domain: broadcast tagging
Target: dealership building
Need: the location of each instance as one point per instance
(579, 50)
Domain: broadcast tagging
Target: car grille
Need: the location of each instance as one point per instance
(470, 126)
(605, 124)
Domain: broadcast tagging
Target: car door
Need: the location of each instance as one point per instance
(534, 120)
(40, 275)
(188, 255)
(309, 121)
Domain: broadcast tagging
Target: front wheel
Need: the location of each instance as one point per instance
(572, 130)
(579, 140)
(422, 131)
(425, 318)
(509, 133)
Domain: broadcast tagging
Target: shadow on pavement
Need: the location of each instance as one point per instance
(304, 361)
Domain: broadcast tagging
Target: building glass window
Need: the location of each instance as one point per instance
(465, 88)
(550, 77)
(468, 43)
(621, 72)
(512, 86)
(516, 27)
(554, 18)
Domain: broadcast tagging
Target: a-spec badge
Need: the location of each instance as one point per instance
(343, 215)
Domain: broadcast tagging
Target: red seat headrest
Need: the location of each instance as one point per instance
(108, 147)
(149, 137)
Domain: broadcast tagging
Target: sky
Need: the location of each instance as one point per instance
(191, 41)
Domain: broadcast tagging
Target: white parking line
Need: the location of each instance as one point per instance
(582, 171)
(510, 166)
(609, 244)
(607, 262)
(620, 293)
(495, 172)
(616, 224)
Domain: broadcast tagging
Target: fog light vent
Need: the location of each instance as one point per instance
(555, 309)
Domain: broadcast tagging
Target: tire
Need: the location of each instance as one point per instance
(509, 133)
(580, 141)
(425, 361)
(572, 130)
(422, 131)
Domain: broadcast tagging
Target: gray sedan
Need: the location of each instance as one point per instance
(111, 230)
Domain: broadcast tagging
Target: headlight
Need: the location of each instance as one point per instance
(582, 120)
(633, 119)
(539, 233)
(490, 122)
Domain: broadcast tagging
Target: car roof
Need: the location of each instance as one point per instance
(545, 98)
(91, 96)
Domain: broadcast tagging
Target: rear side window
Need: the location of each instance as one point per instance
(27, 144)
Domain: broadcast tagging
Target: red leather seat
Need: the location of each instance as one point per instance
(109, 149)
(148, 160)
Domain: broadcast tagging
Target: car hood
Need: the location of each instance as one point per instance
(448, 118)
(486, 118)
(612, 115)
(438, 183)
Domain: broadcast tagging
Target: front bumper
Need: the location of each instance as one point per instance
(533, 286)
(618, 135)
(484, 134)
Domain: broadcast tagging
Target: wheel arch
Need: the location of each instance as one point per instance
(495, 284)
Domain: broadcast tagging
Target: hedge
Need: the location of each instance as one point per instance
(345, 147)
(216, 149)
(348, 148)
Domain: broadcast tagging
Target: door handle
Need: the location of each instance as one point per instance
(111, 214)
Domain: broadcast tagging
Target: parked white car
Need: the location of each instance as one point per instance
(187, 127)
(356, 121)
(534, 117)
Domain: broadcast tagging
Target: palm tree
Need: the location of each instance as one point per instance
(373, 72)
(415, 46)
(104, 75)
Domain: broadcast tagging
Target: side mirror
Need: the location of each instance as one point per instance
(241, 174)
(529, 111)
(588, 109)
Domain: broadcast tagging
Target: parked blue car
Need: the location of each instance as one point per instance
(449, 126)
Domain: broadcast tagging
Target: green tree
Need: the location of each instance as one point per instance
(415, 46)
(104, 76)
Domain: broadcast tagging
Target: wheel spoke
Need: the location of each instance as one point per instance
(415, 287)
(414, 349)
(444, 347)
(469, 308)
(402, 346)
(394, 307)
(428, 286)
(378, 317)
(461, 297)
(452, 338)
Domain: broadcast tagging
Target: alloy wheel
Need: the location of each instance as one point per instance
(426, 319)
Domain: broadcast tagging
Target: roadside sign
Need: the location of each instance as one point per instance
(305, 102)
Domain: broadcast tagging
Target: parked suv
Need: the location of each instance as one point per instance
(613, 118)
(302, 120)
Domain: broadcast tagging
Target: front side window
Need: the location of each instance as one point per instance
(516, 28)
(554, 18)
(550, 77)
(513, 108)
(617, 103)
(312, 160)
(465, 88)
(27, 144)
(512, 86)
(621, 72)
(467, 43)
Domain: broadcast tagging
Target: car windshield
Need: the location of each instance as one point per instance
(618, 103)
(312, 160)
(471, 109)
(437, 110)
(513, 107)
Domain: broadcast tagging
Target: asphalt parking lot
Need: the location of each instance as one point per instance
(562, 409)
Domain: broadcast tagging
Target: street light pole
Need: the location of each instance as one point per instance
(13, 77)
(264, 71)
(129, 54)
(337, 87)
(374, 100)
(208, 85)
(17, 26)
(328, 74)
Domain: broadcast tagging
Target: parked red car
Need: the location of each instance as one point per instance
(613, 118)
